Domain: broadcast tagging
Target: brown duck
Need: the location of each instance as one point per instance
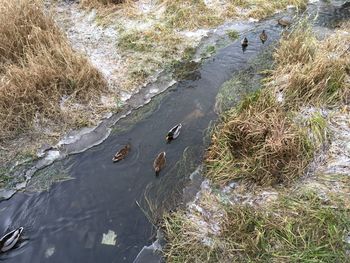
(159, 162)
(263, 36)
(284, 22)
(121, 154)
(244, 44)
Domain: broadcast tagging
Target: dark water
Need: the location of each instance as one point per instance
(66, 223)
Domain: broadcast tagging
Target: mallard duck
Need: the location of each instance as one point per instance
(9, 240)
(173, 133)
(244, 44)
(121, 154)
(159, 162)
(263, 36)
(284, 22)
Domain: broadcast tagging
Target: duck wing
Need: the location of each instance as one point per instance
(160, 160)
(121, 153)
(10, 239)
(175, 131)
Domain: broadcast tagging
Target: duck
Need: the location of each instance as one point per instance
(9, 240)
(263, 36)
(244, 44)
(122, 153)
(173, 133)
(284, 22)
(159, 162)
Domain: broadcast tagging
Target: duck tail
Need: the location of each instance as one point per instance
(157, 171)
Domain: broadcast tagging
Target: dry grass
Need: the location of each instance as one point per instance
(296, 228)
(258, 142)
(263, 8)
(188, 14)
(38, 67)
(96, 3)
(314, 71)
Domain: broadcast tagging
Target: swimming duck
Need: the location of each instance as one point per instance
(121, 154)
(9, 240)
(173, 133)
(263, 36)
(284, 22)
(159, 162)
(244, 44)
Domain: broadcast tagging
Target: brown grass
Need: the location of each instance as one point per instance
(264, 8)
(296, 228)
(101, 2)
(188, 14)
(257, 142)
(38, 67)
(315, 72)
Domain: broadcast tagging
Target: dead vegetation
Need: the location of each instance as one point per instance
(258, 142)
(311, 71)
(155, 28)
(96, 3)
(187, 14)
(300, 227)
(38, 68)
(263, 8)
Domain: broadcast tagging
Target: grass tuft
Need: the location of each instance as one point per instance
(258, 142)
(232, 34)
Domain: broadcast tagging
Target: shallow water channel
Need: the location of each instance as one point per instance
(67, 223)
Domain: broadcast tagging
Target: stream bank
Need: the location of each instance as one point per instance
(71, 219)
(249, 211)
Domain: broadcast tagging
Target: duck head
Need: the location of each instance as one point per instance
(168, 138)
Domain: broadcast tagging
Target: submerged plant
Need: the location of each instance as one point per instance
(232, 34)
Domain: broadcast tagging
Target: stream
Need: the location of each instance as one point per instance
(67, 223)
